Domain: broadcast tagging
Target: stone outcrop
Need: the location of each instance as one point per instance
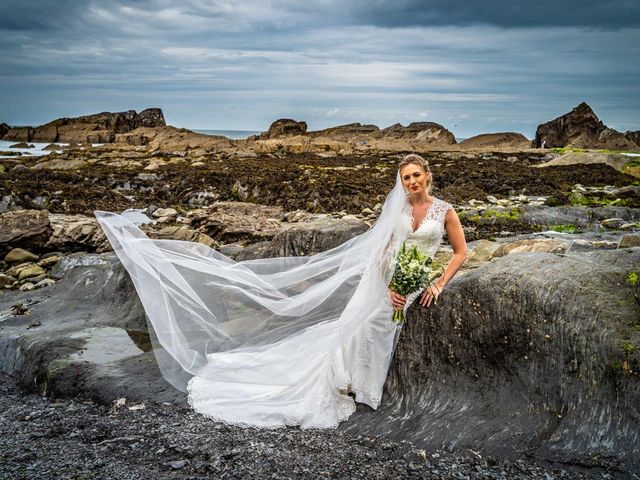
(284, 127)
(497, 140)
(534, 352)
(28, 229)
(581, 128)
(633, 136)
(428, 132)
(169, 139)
(347, 132)
(4, 129)
(97, 128)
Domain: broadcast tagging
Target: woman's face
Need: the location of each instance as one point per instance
(414, 179)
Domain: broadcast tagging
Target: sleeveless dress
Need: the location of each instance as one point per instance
(306, 378)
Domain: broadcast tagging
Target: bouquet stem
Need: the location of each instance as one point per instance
(398, 316)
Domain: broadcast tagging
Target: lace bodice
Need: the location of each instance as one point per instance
(428, 235)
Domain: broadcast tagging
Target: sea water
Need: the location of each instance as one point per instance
(36, 151)
(232, 134)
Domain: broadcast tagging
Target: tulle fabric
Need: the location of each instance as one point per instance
(269, 342)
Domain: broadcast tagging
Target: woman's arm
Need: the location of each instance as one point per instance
(456, 238)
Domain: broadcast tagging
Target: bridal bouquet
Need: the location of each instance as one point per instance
(413, 272)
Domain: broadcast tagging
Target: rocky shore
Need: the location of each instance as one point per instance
(531, 362)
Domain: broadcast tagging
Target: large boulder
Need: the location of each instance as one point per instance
(169, 139)
(284, 127)
(28, 229)
(428, 132)
(581, 128)
(497, 140)
(533, 352)
(76, 232)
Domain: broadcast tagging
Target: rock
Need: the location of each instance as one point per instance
(171, 139)
(630, 240)
(309, 237)
(27, 287)
(613, 222)
(53, 147)
(230, 222)
(481, 253)
(19, 255)
(96, 128)
(492, 199)
(4, 128)
(76, 232)
(615, 160)
(346, 133)
(633, 136)
(428, 132)
(183, 233)
(178, 464)
(49, 262)
(581, 128)
(18, 134)
(530, 245)
(497, 140)
(28, 229)
(21, 145)
(60, 164)
(6, 280)
(29, 272)
(165, 212)
(297, 216)
(46, 282)
(20, 168)
(284, 127)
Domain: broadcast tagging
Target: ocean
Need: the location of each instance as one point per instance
(233, 134)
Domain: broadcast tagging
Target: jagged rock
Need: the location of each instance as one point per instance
(97, 128)
(230, 222)
(580, 128)
(76, 232)
(4, 128)
(428, 132)
(497, 140)
(20, 255)
(29, 229)
(284, 127)
(169, 139)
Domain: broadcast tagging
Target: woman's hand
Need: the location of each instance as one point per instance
(397, 300)
(430, 295)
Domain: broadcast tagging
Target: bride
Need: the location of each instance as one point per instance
(290, 340)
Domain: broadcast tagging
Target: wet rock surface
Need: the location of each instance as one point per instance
(43, 438)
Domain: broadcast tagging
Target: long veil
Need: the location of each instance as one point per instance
(200, 303)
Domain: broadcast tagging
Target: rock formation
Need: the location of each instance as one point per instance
(346, 132)
(497, 140)
(581, 128)
(168, 139)
(98, 128)
(429, 132)
(4, 128)
(284, 127)
(633, 136)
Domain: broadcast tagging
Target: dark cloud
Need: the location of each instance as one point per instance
(222, 64)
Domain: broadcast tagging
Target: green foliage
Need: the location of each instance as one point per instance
(628, 347)
(632, 279)
(564, 228)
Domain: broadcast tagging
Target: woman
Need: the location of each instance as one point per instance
(284, 341)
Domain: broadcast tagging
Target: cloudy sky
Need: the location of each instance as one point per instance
(474, 66)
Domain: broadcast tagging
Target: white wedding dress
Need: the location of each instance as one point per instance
(275, 342)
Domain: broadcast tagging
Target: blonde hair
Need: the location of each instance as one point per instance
(415, 159)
